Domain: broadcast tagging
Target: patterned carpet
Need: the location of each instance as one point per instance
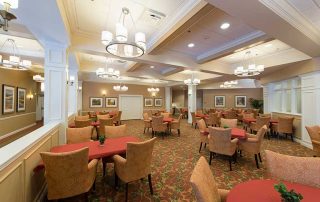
(173, 162)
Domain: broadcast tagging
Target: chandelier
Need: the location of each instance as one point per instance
(120, 87)
(252, 68)
(192, 82)
(106, 72)
(14, 62)
(119, 45)
(5, 14)
(38, 78)
(229, 84)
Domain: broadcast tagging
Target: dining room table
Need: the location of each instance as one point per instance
(263, 190)
(111, 146)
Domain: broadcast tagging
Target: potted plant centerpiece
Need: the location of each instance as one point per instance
(287, 196)
(102, 138)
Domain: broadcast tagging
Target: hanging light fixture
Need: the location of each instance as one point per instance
(193, 81)
(38, 78)
(229, 84)
(252, 68)
(5, 14)
(14, 62)
(119, 45)
(120, 87)
(106, 72)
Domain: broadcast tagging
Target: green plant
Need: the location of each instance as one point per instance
(102, 139)
(288, 196)
(256, 104)
(225, 126)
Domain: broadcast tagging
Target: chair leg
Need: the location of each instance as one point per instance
(256, 158)
(230, 159)
(127, 191)
(104, 167)
(144, 131)
(205, 144)
(200, 147)
(291, 137)
(179, 132)
(260, 157)
(210, 158)
(150, 184)
(195, 126)
(116, 180)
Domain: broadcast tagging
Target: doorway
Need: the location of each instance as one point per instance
(131, 106)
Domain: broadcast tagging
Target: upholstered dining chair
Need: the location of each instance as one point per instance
(115, 131)
(194, 119)
(204, 132)
(261, 121)
(265, 115)
(255, 112)
(159, 126)
(284, 126)
(230, 123)
(314, 133)
(147, 122)
(103, 116)
(203, 184)
(81, 124)
(69, 174)
(213, 119)
(231, 115)
(220, 143)
(253, 144)
(136, 165)
(103, 124)
(165, 114)
(175, 124)
(76, 135)
(117, 118)
(82, 118)
(302, 170)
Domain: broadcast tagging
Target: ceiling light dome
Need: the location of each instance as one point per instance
(252, 68)
(38, 78)
(193, 81)
(120, 87)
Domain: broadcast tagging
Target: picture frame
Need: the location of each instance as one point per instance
(111, 102)
(148, 102)
(96, 102)
(8, 99)
(219, 101)
(158, 102)
(240, 101)
(21, 99)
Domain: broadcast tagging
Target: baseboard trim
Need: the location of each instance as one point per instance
(15, 116)
(41, 196)
(16, 131)
(303, 143)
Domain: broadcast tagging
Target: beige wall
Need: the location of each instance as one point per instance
(94, 89)
(208, 96)
(17, 120)
(178, 98)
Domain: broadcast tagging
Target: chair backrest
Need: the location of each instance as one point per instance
(82, 118)
(145, 116)
(75, 135)
(103, 124)
(139, 156)
(165, 114)
(105, 116)
(260, 135)
(66, 173)
(203, 183)
(255, 112)
(212, 110)
(261, 121)
(265, 115)
(220, 140)
(157, 123)
(231, 115)
(248, 115)
(199, 111)
(117, 117)
(285, 124)
(230, 123)
(81, 124)
(193, 115)
(302, 170)
(314, 132)
(102, 113)
(202, 125)
(115, 131)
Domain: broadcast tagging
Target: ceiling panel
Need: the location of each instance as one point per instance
(187, 74)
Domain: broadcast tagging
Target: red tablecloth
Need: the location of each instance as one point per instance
(94, 124)
(235, 133)
(168, 120)
(111, 147)
(202, 115)
(263, 191)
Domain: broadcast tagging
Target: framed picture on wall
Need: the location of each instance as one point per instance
(241, 101)
(96, 102)
(111, 102)
(148, 102)
(220, 101)
(7, 99)
(158, 102)
(21, 99)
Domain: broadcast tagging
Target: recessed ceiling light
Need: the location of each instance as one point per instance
(190, 45)
(151, 66)
(268, 45)
(225, 25)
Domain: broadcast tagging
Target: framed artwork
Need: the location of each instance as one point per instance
(148, 102)
(21, 99)
(158, 102)
(220, 101)
(96, 102)
(111, 102)
(241, 101)
(7, 99)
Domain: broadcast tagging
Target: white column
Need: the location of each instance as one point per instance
(192, 101)
(168, 95)
(73, 91)
(79, 97)
(56, 88)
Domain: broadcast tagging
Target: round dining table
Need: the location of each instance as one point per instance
(263, 191)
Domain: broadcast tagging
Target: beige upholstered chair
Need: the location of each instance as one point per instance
(302, 170)
(248, 115)
(284, 126)
(194, 119)
(204, 132)
(115, 131)
(255, 112)
(104, 116)
(103, 124)
(314, 133)
(253, 144)
(175, 124)
(230, 123)
(75, 135)
(82, 118)
(158, 125)
(204, 185)
(231, 115)
(137, 164)
(81, 124)
(147, 122)
(265, 115)
(213, 119)
(69, 174)
(220, 143)
(261, 121)
(117, 118)
(165, 114)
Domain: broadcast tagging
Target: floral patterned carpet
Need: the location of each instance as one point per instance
(174, 158)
